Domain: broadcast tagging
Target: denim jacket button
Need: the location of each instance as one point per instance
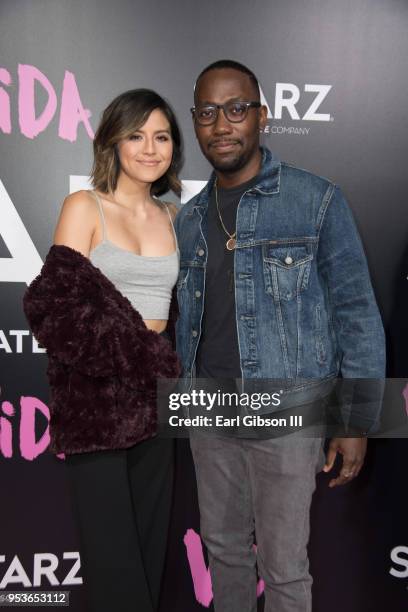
(200, 252)
(288, 260)
(198, 294)
(194, 333)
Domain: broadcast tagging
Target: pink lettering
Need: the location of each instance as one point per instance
(31, 408)
(31, 125)
(5, 112)
(29, 447)
(200, 573)
(31, 121)
(405, 396)
(260, 587)
(6, 432)
(72, 111)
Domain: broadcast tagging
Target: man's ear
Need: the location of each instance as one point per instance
(263, 117)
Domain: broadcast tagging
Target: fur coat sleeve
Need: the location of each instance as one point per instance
(78, 315)
(103, 361)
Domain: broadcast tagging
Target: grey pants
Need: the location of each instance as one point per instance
(262, 488)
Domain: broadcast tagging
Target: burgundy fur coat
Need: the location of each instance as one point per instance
(103, 361)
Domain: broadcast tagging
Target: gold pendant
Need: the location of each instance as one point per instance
(230, 244)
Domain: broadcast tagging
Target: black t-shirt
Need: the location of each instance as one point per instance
(218, 352)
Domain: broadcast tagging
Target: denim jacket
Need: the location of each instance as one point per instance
(305, 307)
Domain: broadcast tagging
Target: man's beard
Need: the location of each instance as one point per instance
(232, 164)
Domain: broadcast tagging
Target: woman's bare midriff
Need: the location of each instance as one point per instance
(157, 325)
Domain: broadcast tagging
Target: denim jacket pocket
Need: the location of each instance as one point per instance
(286, 269)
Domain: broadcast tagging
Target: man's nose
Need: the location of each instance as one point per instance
(222, 124)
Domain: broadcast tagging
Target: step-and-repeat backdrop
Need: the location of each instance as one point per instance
(333, 76)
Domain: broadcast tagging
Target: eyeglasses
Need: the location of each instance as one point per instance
(233, 111)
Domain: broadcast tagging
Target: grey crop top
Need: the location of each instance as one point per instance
(146, 281)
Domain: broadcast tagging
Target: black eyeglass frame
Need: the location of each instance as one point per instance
(217, 107)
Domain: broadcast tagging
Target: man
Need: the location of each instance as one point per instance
(273, 285)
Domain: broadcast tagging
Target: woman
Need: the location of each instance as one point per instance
(101, 307)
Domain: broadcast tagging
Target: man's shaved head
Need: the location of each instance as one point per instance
(222, 64)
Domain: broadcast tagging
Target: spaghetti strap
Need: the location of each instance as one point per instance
(172, 224)
(99, 202)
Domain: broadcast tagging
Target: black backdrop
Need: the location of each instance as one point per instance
(61, 63)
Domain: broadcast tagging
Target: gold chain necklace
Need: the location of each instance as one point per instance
(231, 242)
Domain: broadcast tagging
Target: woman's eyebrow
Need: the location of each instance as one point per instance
(167, 130)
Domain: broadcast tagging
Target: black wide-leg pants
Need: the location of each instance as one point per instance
(122, 502)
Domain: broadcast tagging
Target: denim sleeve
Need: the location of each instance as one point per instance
(354, 312)
(355, 317)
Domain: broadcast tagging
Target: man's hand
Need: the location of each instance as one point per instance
(353, 451)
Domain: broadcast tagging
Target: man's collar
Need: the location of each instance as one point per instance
(268, 178)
